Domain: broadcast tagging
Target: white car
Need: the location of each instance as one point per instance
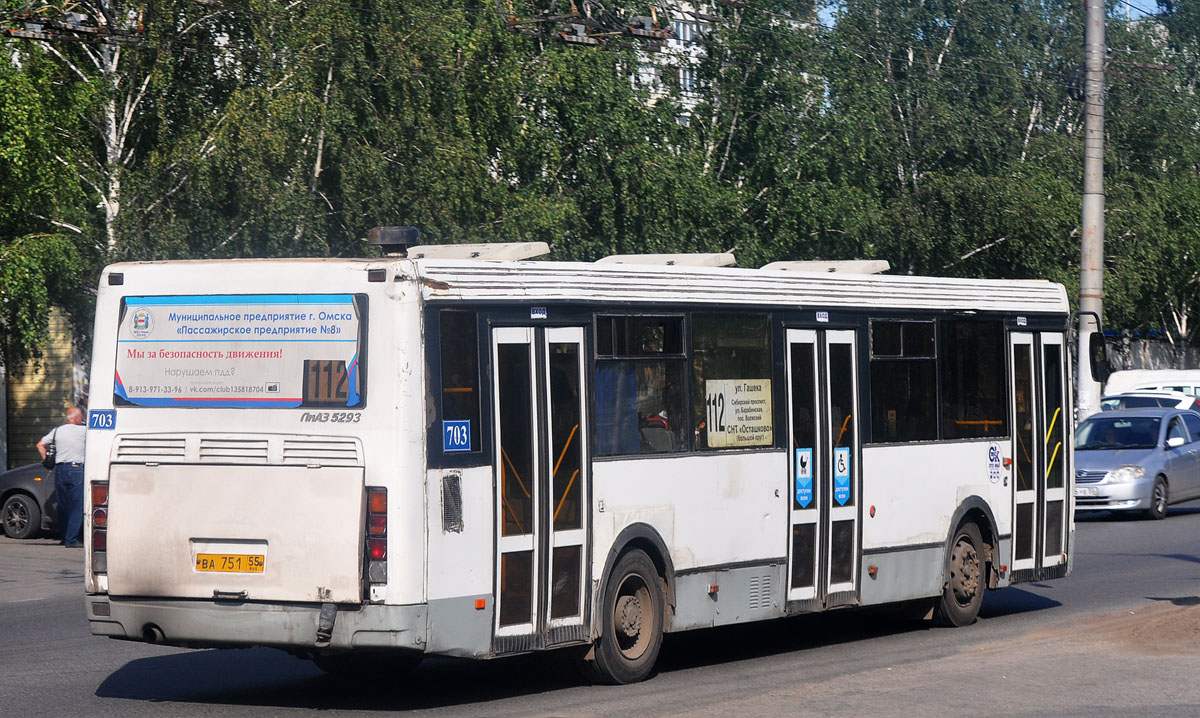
(1146, 399)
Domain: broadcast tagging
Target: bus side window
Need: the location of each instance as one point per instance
(460, 377)
(971, 359)
(639, 385)
(903, 381)
(731, 364)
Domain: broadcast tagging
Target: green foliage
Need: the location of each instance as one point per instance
(939, 135)
(43, 258)
(37, 271)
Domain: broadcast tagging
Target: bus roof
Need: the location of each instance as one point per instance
(548, 281)
(545, 281)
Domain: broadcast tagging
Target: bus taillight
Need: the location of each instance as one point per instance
(376, 525)
(376, 537)
(100, 526)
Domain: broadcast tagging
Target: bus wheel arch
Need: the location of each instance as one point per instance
(646, 538)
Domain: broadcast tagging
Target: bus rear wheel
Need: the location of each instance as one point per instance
(963, 593)
(632, 622)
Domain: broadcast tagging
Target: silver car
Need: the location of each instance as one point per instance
(1137, 460)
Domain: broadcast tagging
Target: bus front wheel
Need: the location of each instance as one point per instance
(632, 622)
(965, 584)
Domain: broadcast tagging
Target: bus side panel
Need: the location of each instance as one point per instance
(712, 510)
(460, 560)
(916, 489)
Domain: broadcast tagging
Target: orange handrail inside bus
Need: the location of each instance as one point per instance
(843, 431)
(564, 496)
(563, 455)
(504, 499)
(515, 472)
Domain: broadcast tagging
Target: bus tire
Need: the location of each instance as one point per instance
(962, 594)
(631, 616)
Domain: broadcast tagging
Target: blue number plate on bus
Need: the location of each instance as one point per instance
(456, 435)
(102, 419)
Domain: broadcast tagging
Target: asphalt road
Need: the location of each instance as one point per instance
(1121, 635)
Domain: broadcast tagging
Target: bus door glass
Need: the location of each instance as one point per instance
(1056, 432)
(823, 467)
(541, 475)
(1039, 450)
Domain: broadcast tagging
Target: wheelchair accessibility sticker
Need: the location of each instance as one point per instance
(841, 475)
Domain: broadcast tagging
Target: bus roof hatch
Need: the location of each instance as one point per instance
(849, 266)
(512, 251)
(696, 259)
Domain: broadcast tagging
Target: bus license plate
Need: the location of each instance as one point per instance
(230, 562)
(1087, 491)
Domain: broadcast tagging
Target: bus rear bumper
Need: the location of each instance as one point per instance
(208, 624)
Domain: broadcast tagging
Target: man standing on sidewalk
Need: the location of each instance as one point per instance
(68, 441)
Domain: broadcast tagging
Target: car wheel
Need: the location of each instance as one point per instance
(1158, 500)
(22, 518)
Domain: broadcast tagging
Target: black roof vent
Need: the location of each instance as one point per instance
(394, 241)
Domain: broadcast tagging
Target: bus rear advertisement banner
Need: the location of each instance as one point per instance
(278, 350)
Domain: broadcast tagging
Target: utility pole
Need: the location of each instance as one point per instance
(1091, 255)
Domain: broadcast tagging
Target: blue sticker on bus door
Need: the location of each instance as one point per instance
(804, 477)
(456, 435)
(841, 475)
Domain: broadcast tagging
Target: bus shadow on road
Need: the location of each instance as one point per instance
(265, 677)
(1011, 601)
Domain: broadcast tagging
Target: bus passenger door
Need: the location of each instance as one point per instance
(1039, 452)
(823, 467)
(541, 475)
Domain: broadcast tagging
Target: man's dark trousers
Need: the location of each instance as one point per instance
(68, 491)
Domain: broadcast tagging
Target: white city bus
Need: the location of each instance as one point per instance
(366, 461)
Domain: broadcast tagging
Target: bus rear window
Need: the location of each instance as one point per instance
(274, 351)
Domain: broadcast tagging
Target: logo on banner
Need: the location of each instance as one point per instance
(804, 477)
(841, 475)
(140, 323)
